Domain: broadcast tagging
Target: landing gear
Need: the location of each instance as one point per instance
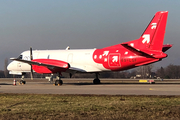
(58, 81)
(50, 79)
(96, 80)
(22, 81)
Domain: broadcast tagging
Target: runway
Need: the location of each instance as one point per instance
(80, 86)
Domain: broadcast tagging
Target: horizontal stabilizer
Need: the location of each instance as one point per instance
(136, 51)
(166, 47)
(146, 53)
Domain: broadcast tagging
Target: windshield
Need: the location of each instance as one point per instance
(20, 57)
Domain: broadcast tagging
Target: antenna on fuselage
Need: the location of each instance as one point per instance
(67, 48)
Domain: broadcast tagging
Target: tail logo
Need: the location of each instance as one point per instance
(153, 25)
(146, 38)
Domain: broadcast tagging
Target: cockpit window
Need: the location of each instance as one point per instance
(20, 57)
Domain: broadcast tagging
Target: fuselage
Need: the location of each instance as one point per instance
(114, 58)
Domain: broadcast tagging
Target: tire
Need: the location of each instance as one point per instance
(58, 82)
(24, 82)
(21, 82)
(96, 81)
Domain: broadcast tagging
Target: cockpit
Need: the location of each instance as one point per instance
(20, 57)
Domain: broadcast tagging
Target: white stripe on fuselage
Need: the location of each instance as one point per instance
(80, 59)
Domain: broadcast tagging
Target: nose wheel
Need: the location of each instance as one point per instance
(22, 81)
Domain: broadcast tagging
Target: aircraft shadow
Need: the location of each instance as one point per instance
(120, 83)
(5, 84)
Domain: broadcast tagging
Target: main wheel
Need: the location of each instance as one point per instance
(58, 82)
(96, 81)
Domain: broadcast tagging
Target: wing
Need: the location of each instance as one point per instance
(45, 66)
(45, 62)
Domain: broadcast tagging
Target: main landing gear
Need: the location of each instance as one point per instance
(96, 80)
(58, 81)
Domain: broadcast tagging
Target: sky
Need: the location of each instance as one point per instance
(80, 24)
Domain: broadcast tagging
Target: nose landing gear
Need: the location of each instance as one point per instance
(22, 81)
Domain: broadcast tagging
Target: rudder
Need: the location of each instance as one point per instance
(158, 37)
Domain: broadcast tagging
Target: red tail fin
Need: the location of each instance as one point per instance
(153, 36)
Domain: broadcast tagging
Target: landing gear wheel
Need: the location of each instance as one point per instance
(96, 81)
(22, 82)
(58, 82)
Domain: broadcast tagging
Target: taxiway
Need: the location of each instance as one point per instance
(81, 86)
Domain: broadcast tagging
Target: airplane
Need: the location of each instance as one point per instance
(147, 49)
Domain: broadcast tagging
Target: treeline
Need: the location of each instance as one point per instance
(169, 72)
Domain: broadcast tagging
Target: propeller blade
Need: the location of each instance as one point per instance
(31, 57)
(31, 73)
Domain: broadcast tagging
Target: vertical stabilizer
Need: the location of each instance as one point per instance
(153, 37)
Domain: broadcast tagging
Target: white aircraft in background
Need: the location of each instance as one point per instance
(147, 49)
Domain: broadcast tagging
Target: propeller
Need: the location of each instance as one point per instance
(31, 57)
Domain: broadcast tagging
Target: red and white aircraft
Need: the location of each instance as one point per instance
(147, 49)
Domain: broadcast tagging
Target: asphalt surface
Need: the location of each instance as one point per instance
(85, 86)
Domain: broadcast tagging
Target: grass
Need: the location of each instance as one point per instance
(40, 107)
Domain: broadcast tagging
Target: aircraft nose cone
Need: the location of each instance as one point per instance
(9, 67)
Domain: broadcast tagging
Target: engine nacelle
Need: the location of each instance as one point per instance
(47, 66)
